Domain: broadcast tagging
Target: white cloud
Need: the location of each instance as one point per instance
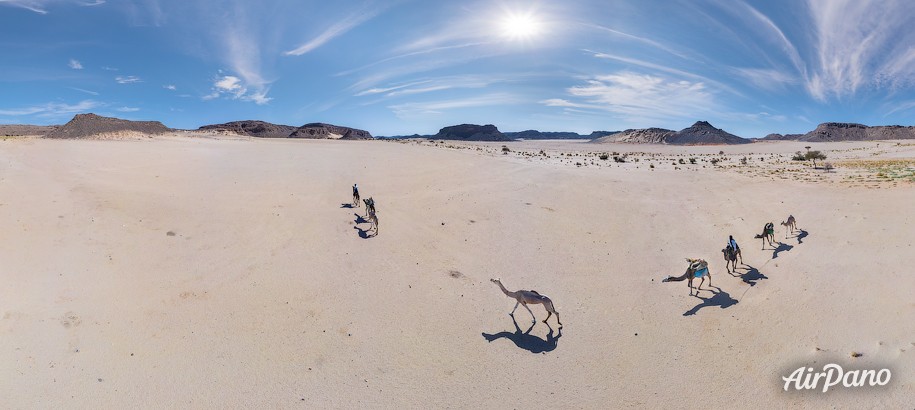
(128, 109)
(335, 30)
(75, 64)
(128, 79)
(106, 68)
(170, 87)
(233, 87)
(767, 79)
(640, 97)
(52, 109)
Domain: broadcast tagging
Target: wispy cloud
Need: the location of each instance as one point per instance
(337, 29)
(642, 40)
(170, 87)
(128, 109)
(106, 68)
(75, 64)
(860, 43)
(127, 79)
(766, 78)
(665, 69)
(415, 109)
(52, 109)
(83, 90)
(41, 6)
(640, 97)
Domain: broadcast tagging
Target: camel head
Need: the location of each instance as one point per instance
(495, 281)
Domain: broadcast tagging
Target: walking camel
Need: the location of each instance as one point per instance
(355, 195)
(768, 234)
(698, 268)
(791, 224)
(369, 206)
(525, 297)
(730, 258)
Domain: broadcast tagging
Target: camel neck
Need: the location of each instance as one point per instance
(505, 291)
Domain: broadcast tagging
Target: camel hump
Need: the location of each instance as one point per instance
(535, 292)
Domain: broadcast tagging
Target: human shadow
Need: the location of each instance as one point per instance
(751, 276)
(801, 235)
(720, 298)
(526, 340)
(348, 206)
(782, 247)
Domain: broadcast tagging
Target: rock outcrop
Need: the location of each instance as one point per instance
(18, 130)
(700, 133)
(319, 130)
(544, 135)
(471, 132)
(91, 125)
(703, 133)
(252, 128)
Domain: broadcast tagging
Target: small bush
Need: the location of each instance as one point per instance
(828, 166)
(692, 161)
(651, 166)
(714, 161)
(799, 156)
(743, 161)
(604, 156)
(681, 161)
(506, 149)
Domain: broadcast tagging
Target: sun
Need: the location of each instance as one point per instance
(520, 26)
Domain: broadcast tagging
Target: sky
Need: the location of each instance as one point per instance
(401, 67)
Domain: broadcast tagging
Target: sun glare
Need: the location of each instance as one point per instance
(518, 26)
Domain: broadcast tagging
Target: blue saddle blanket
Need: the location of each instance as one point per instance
(701, 272)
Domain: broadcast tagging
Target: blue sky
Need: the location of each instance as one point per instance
(403, 67)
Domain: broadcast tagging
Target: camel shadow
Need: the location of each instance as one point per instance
(360, 219)
(782, 247)
(801, 235)
(348, 206)
(720, 298)
(364, 233)
(751, 276)
(526, 340)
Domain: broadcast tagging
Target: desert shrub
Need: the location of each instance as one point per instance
(651, 166)
(799, 156)
(506, 149)
(743, 161)
(721, 152)
(714, 161)
(692, 161)
(828, 166)
(604, 156)
(619, 159)
(681, 161)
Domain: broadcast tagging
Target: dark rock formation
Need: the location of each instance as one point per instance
(600, 134)
(842, 131)
(471, 132)
(703, 133)
(91, 125)
(252, 128)
(639, 136)
(541, 135)
(18, 130)
(317, 130)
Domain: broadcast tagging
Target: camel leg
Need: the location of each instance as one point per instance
(533, 318)
(690, 284)
(700, 285)
(548, 314)
(557, 320)
(513, 310)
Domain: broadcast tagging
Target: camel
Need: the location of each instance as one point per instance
(730, 257)
(698, 268)
(373, 219)
(768, 234)
(355, 195)
(525, 297)
(791, 224)
(369, 206)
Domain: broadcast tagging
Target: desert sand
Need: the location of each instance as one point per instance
(227, 272)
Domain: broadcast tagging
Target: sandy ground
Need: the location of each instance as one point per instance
(216, 272)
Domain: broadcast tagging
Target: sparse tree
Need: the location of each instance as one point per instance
(814, 156)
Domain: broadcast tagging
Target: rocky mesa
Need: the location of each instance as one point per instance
(95, 126)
